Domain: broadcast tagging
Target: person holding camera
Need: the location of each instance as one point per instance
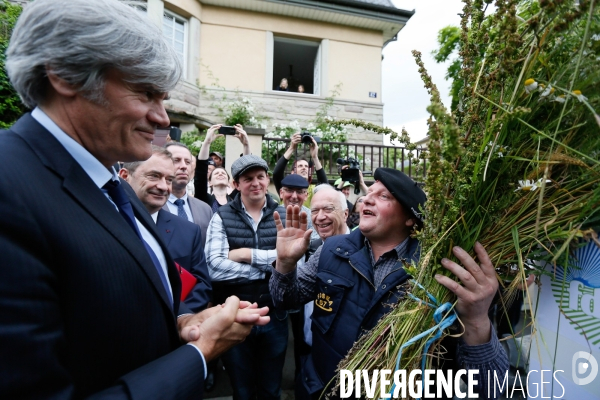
(219, 185)
(300, 166)
(350, 175)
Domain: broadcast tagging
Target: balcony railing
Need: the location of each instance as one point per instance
(369, 157)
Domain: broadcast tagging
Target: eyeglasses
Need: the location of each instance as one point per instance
(326, 210)
(299, 192)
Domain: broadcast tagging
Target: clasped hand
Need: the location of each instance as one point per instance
(219, 328)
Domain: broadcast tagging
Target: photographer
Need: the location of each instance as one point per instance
(219, 195)
(300, 166)
(350, 175)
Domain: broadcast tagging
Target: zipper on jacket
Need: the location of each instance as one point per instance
(360, 273)
(403, 261)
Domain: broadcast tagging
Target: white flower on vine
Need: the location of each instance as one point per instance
(500, 150)
(559, 99)
(530, 185)
(295, 124)
(263, 126)
(246, 100)
(197, 143)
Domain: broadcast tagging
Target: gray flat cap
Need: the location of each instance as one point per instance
(245, 163)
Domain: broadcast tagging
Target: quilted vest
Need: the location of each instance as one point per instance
(239, 230)
(241, 234)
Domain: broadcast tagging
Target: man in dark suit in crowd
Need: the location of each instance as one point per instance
(151, 181)
(180, 204)
(89, 296)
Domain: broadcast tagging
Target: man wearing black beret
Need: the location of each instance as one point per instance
(356, 278)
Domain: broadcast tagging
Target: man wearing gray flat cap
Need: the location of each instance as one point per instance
(240, 250)
(362, 275)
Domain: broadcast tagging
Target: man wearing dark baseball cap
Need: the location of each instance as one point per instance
(240, 248)
(217, 158)
(362, 275)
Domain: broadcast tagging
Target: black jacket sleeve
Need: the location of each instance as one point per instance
(201, 181)
(321, 176)
(279, 172)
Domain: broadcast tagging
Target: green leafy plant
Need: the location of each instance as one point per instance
(515, 167)
(11, 107)
(194, 139)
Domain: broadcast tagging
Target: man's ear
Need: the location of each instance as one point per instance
(345, 214)
(411, 222)
(60, 85)
(124, 174)
(235, 185)
(281, 193)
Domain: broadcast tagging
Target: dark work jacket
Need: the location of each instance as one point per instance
(240, 234)
(347, 304)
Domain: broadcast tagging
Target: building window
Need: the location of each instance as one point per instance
(299, 61)
(174, 30)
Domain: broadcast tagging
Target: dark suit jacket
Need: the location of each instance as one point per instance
(82, 308)
(201, 213)
(186, 246)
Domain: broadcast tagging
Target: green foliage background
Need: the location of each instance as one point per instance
(11, 107)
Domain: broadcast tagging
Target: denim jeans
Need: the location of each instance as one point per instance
(255, 366)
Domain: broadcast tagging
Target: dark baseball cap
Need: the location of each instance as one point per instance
(216, 153)
(246, 163)
(294, 181)
(404, 189)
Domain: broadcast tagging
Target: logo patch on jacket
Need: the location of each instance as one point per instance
(324, 302)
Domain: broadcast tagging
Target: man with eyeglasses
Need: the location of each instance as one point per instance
(294, 191)
(362, 275)
(328, 214)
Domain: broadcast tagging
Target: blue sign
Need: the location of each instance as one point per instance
(373, 95)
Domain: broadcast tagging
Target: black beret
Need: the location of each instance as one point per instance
(404, 189)
(294, 181)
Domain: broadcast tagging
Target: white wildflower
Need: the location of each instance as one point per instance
(530, 85)
(579, 96)
(530, 185)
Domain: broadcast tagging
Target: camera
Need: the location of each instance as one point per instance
(306, 137)
(227, 130)
(352, 173)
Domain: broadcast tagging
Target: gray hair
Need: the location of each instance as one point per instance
(161, 151)
(327, 187)
(79, 41)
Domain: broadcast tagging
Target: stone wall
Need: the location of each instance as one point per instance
(202, 105)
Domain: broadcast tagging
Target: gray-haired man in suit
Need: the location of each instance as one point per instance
(89, 295)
